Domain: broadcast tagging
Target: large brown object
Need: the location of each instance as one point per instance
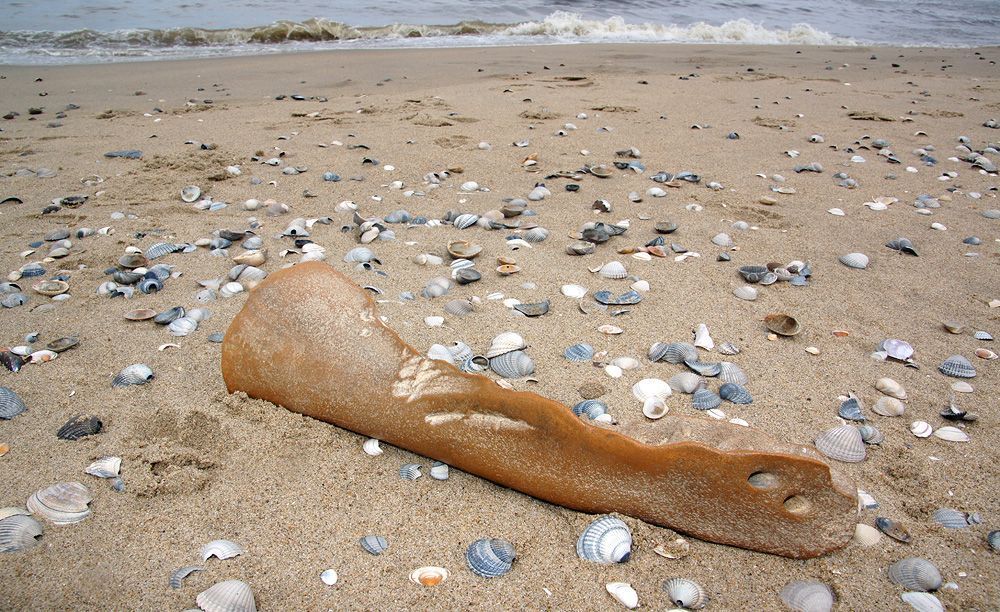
(310, 340)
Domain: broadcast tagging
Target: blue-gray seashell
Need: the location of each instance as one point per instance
(735, 393)
(591, 409)
(850, 409)
(398, 216)
(705, 369)
(490, 558)
(705, 399)
(579, 352)
(374, 544)
(606, 540)
(160, 249)
(150, 284)
(957, 367)
(626, 299)
(11, 404)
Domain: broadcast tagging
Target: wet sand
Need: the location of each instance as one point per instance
(199, 464)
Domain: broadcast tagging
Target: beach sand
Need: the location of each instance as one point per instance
(199, 464)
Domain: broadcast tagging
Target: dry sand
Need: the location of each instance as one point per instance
(297, 494)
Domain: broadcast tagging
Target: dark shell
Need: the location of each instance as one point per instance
(467, 275)
(893, 529)
(903, 245)
(63, 344)
(79, 426)
(533, 310)
(626, 299)
(168, 316)
(753, 274)
(490, 558)
(734, 393)
(11, 404)
(11, 361)
(850, 409)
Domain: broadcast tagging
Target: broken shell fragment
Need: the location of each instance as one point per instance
(221, 549)
(177, 576)
(623, 594)
(893, 529)
(105, 467)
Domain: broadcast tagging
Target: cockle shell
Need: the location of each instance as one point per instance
(889, 406)
(227, 596)
(731, 373)
(735, 393)
(579, 352)
(870, 434)
(11, 404)
(490, 558)
(654, 408)
(439, 470)
(513, 364)
(705, 399)
(782, 324)
(958, 367)
(374, 544)
(922, 602)
(135, 374)
(855, 260)
(950, 518)
(807, 596)
(606, 540)
(842, 443)
(429, 575)
(685, 382)
(650, 388)
(221, 549)
(675, 352)
(624, 594)
(915, 574)
(685, 593)
(410, 471)
(850, 409)
(613, 269)
(866, 535)
(505, 343)
(79, 426)
(190, 193)
(921, 429)
(891, 388)
(105, 467)
(177, 577)
(18, 532)
(62, 503)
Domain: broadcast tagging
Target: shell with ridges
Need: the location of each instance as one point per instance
(62, 503)
(606, 540)
(490, 558)
(843, 443)
(79, 426)
(686, 593)
(11, 404)
(410, 471)
(705, 399)
(221, 549)
(922, 602)
(178, 575)
(515, 364)
(731, 373)
(807, 596)
(374, 544)
(678, 352)
(685, 382)
(579, 352)
(505, 343)
(593, 409)
(957, 367)
(915, 574)
(950, 518)
(735, 393)
(866, 535)
(18, 532)
(858, 261)
(227, 596)
(613, 269)
(135, 374)
(649, 388)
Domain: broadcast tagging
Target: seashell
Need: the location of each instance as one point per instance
(605, 540)
(227, 596)
(735, 393)
(866, 536)
(915, 574)
(79, 426)
(891, 388)
(178, 575)
(678, 548)
(921, 429)
(702, 339)
(105, 467)
(429, 576)
(580, 247)
(11, 404)
(436, 287)
(371, 447)
(753, 274)
(168, 316)
(842, 443)
(903, 245)
(592, 409)
(651, 388)
(889, 406)
(221, 549)
(13, 300)
(951, 519)
(361, 255)
(705, 369)
(439, 470)
(685, 382)
(62, 503)
(858, 261)
(573, 291)
(536, 235)
(982, 335)
(984, 353)
(159, 249)
(490, 558)
(782, 324)
(705, 399)
(182, 326)
(958, 367)
(807, 596)
(251, 258)
(722, 240)
(745, 292)
(463, 249)
(132, 261)
(440, 353)
(893, 529)
(626, 299)
(951, 434)
(465, 220)
(579, 352)
(467, 275)
(410, 471)
(613, 270)
(922, 602)
(654, 408)
(230, 289)
(993, 539)
(512, 364)
(505, 343)
(871, 434)
(623, 594)
(150, 284)
(141, 314)
(190, 193)
(51, 287)
(135, 374)
(685, 593)
(374, 544)
(675, 352)
(18, 532)
(960, 386)
(731, 373)
(533, 310)
(250, 276)
(850, 409)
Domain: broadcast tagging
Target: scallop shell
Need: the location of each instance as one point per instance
(579, 352)
(515, 364)
(731, 373)
(221, 549)
(958, 367)
(410, 471)
(105, 467)
(950, 518)
(505, 343)
(705, 399)
(782, 324)
(371, 447)
(889, 406)
(866, 535)
(190, 193)
(685, 382)
(921, 429)
(807, 596)
(62, 503)
(374, 544)
(606, 540)
(922, 602)
(429, 575)
(891, 388)
(227, 596)
(649, 388)
(623, 594)
(11, 404)
(18, 532)
(685, 593)
(613, 269)
(858, 261)
(951, 434)
(178, 575)
(915, 574)
(490, 558)
(135, 374)
(842, 443)
(592, 409)
(79, 426)
(735, 393)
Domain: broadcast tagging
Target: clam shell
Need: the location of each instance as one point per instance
(593, 409)
(490, 558)
(51, 287)
(132, 260)
(648, 388)
(514, 364)
(79, 426)
(11, 404)
(957, 367)
(723, 240)
(685, 382)
(951, 434)
(915, 574)
(251, 258)
(731, 373)
(782, 324)
(141, 314)
(605, 540)
(190, 193)
(227, 596)
(705, 399)
(579, 352)
(360, 255)
(533, 310)
(439, 470)
(889, 406)
(429, 575)
(178, 575)
(221, 549)
(623, 594)
(459, 308)
(135, 374)
(371, 447)
(182, 326)
(613, 269)
(505, 343)
(922, 602)
(536, 234)
(654, 408)
(858, 261)
(463, 249)
(410, 471)
(866, 535)
(842, 443)
(870, 434)
(735, 393)
(950, 518)
(62, 503)
(168, 316)
(921, 429)
(436, 287)
(807, 596)
(893, 529)
(18, 532)
(573, 291)
(891, 388)
(685, 593)
(105, 467)
(374, 544)
(150, 284)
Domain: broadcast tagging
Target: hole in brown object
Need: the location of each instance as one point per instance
(797, 504)
(763, 480)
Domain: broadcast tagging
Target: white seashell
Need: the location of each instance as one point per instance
(221, 549)
(722, 240)
(746, 292)
(429, 576)
(837, 212)
(866, 536)
(702, 339)
(843, 443)
(641, 286)
(613, 269)
(372, 448)
(807, 596)
(891, 388)
(648, 388)
(470, 186)
(190, 193)
(227, 596)
(410, 471)
(922, 602)
(135, 374)
(513, 364)
(951, 434)
(329, 577)
(105, 467)
(439, 352)
(921, 429)
(654, 408)
(574, 291)
(230, 289)
(889, 406)
(505, 343)
(960, 386)
(624, 594)
(439, 470)
(685, 382)
(625, 363)
(855, 260)
(685, 593)
(434, 321)
(62, 503)
(182, 326)
(606, 540)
